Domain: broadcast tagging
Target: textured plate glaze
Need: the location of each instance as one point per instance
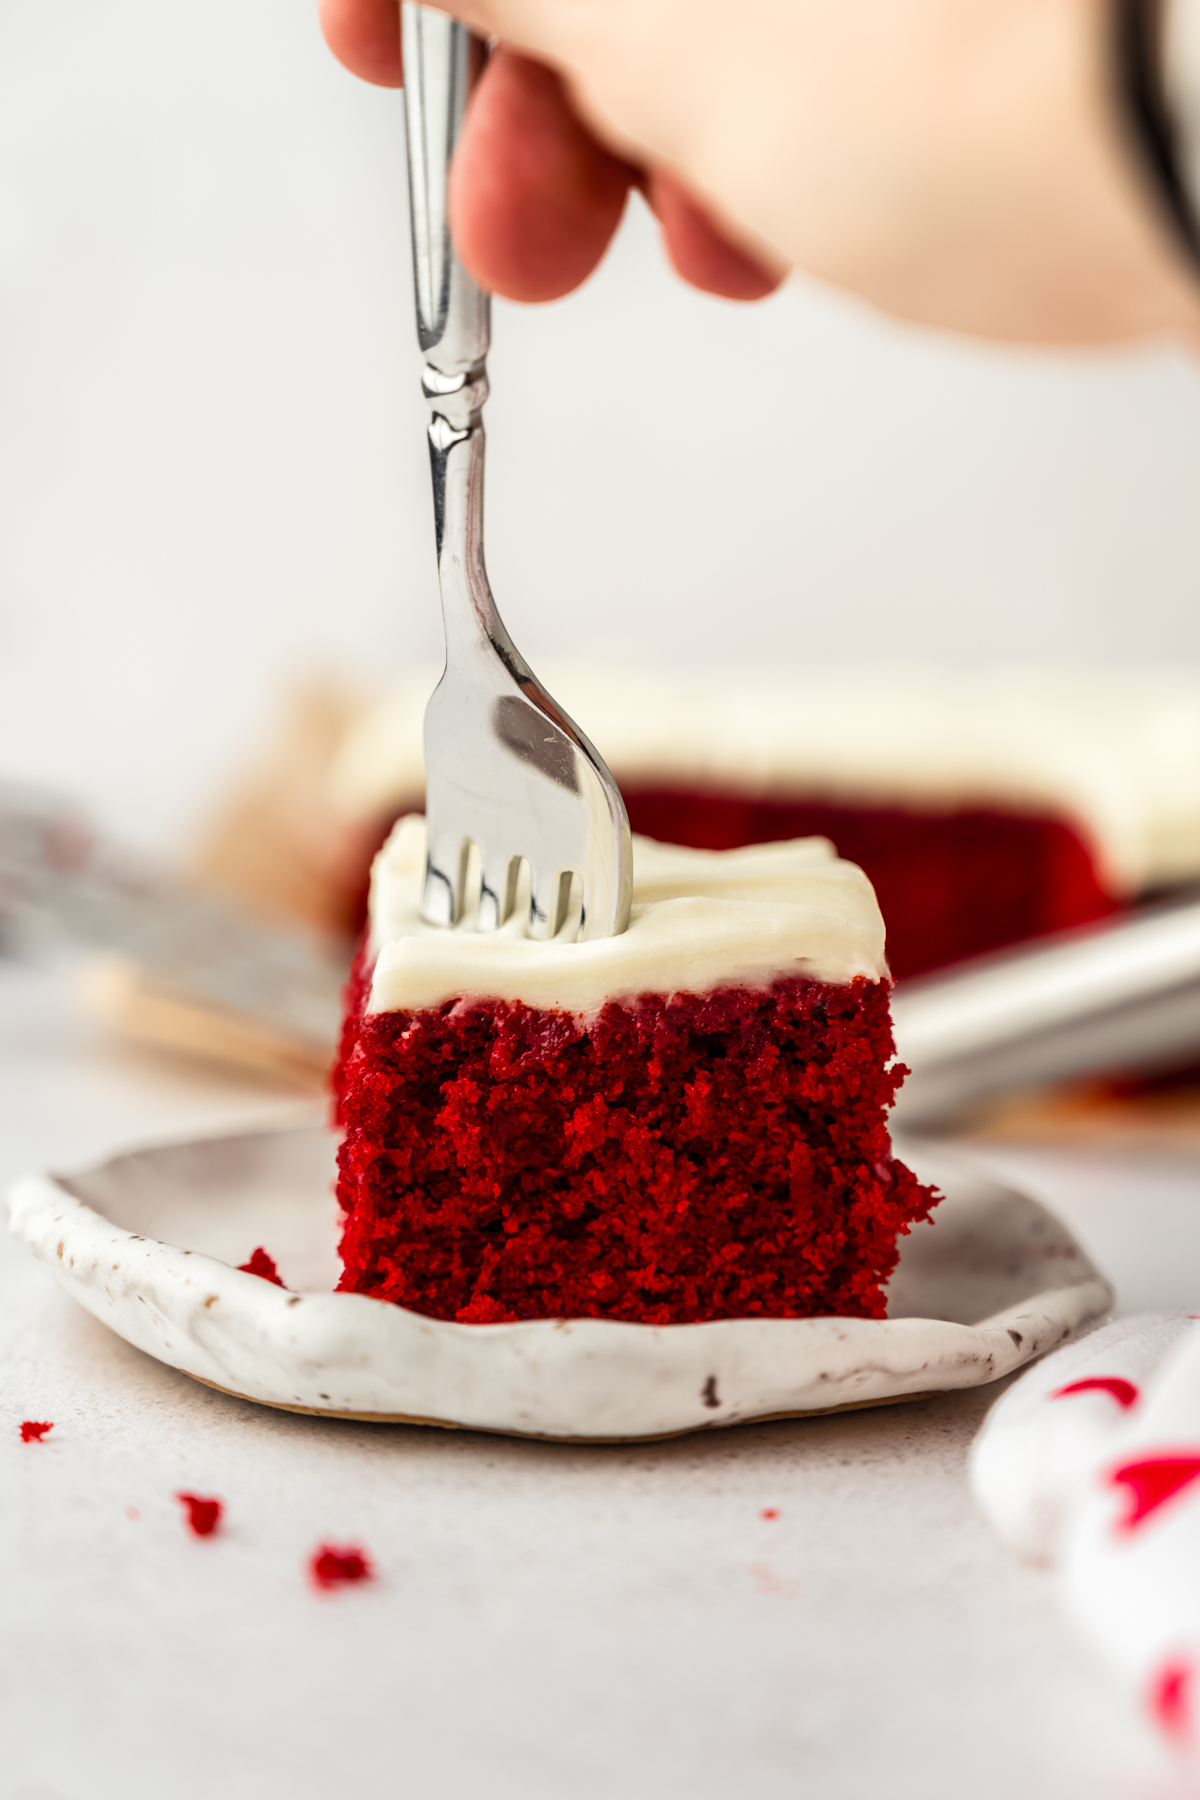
(149, 1242)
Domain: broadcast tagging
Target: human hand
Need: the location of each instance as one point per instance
(955, 162)
(535, 195)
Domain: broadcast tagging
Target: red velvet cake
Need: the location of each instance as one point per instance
(950, 884)
(684, 1123)
(984, 807)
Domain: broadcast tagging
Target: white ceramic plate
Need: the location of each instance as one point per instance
(150, 1241)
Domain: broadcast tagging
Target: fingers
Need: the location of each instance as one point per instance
(701, 252)
(365, 36)
(534, 198)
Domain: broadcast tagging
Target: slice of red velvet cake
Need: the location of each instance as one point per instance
(683, 1123)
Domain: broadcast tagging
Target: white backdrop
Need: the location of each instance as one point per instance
(212, 462)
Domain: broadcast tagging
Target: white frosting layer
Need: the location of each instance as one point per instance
(1118, 756)
(701, 919)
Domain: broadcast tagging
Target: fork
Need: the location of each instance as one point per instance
(522, 815)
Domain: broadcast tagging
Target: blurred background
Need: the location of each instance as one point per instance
(213, 461)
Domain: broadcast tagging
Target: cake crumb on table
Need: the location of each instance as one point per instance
(331, 1568)
(34, 1430)
(203, 1516)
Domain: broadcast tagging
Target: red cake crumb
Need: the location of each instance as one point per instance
(331, 1568)
(770, 1512)
(262, 1265)
(670, 1160)
(203, 1516)
(34, 1430)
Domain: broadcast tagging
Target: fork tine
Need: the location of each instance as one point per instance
(552, 901)
(445, 874)
(491, 895)
(499, 887)
(571, 905)
(470, 885)
(512, 887)
(559, 893)
(539, 902)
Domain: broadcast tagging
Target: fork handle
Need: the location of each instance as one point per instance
(442, 63)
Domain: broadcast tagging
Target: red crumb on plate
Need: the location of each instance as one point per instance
(770, 1512)
(332, 1568)
(203, 1516)
(34, 1430)
(262, 1265)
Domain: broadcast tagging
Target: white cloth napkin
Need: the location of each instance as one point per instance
(1092, 1461)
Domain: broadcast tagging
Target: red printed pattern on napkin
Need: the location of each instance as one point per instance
(1151, 1482)
(1123, 1392)
(1171, 1698)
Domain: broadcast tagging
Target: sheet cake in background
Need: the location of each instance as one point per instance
(986, 808)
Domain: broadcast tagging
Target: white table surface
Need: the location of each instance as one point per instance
(547, 1623)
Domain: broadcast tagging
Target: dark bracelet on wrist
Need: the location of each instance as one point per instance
(1139, 45)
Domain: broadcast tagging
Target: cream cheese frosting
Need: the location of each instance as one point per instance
(1117, 755)
(701, 919)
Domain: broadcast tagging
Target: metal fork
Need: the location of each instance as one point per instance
(507, 774)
